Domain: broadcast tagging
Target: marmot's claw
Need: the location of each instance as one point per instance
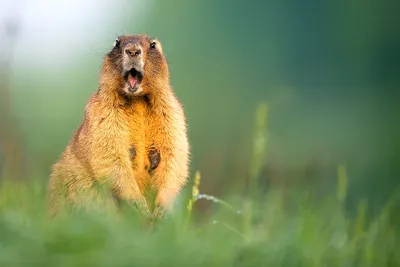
(143, 208)
(159, 213)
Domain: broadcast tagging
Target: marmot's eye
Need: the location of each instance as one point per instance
(117, 43)
(153, 45)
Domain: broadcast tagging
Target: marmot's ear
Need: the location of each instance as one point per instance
(117, 43)
(156, 44)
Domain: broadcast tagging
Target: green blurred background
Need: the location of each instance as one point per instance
(328, 71)
(293, 115)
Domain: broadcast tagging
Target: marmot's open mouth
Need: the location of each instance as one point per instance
(133, 78)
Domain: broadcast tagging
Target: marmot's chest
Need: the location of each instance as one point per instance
(148, 137)
(135, 133)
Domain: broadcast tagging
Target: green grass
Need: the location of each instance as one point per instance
(276, 228)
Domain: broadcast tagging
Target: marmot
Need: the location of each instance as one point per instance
(133, 134)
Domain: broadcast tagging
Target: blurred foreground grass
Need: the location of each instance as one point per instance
(282, 227)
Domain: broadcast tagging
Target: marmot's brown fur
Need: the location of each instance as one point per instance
(133, 134)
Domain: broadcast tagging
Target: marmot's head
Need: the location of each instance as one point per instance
(139, 63)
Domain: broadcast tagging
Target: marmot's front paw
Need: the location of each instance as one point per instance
(159, 213)
(138, 205)
(155, 158)
(143, 208)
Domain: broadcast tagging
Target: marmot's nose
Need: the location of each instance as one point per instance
(133, 50)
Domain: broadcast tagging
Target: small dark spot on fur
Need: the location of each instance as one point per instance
(132, 152)
(126, 104)
(101, 120)
(146, 99)
(155, 158)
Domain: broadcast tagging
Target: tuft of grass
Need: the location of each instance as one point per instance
(342, 183)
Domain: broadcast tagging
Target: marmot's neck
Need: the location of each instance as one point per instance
(109, 84)
(162, 99)
(110, 96)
